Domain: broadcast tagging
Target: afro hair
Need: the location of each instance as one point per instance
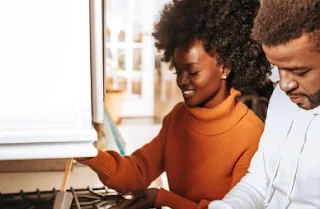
(224, 28)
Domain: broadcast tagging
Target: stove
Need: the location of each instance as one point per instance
(87, 198)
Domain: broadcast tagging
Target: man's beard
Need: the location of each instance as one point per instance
(314, 99)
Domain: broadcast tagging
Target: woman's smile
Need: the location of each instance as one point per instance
(188, 93)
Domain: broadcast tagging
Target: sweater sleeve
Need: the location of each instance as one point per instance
(243, 163)
(242, 166)
(250, 192)
(134, 172)
(172, 200)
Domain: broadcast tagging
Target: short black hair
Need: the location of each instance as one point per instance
(223, 27)
(279, 21)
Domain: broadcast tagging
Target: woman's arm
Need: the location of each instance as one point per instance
(134, 172)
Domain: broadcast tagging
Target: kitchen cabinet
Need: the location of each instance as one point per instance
(45, 80)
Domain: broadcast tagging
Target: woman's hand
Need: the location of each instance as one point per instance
(147, 199)
(79, 159)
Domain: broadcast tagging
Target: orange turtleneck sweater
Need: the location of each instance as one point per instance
(204, 151)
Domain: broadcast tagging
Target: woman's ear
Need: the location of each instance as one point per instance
(225, 71)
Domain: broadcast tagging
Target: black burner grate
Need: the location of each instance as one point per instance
(88, 198)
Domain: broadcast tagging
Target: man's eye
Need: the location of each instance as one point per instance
(301, 74)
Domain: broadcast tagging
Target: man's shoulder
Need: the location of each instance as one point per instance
(280, 114)
(280, 105)
(280, 101)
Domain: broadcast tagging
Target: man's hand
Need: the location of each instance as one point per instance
(147, 199)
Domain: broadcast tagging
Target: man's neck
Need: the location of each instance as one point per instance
(316, 110)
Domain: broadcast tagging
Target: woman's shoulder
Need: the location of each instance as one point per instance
(179, 108)
(177, 111)
(249, 129)
(250, 121)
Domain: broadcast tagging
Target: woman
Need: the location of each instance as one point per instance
(206, 142)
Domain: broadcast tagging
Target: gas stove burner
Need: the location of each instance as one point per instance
(88, 198)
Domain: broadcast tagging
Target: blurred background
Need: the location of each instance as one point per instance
(140, 89)
(138, 85)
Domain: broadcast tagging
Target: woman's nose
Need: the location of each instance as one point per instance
(183, 79)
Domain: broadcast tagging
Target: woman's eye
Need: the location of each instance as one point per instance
(194, 73)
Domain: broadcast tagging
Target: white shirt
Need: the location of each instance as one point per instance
(285, 171)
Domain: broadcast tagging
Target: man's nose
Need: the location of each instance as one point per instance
(287, 82)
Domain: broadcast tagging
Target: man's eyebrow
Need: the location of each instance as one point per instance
(291, 68)
(296, 68)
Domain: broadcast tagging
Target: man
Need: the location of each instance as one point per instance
(285, 171)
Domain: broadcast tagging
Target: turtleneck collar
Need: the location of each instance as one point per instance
(213, 121)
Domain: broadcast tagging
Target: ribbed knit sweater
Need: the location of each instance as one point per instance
(204, 152)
